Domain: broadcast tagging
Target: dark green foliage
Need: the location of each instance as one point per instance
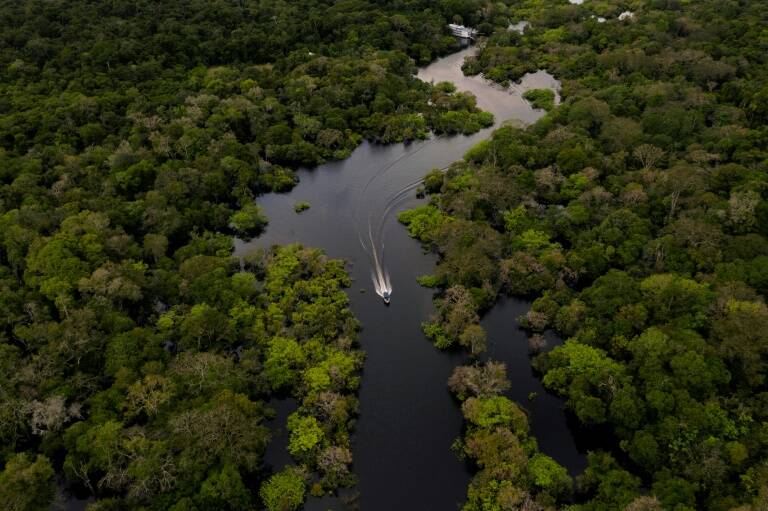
(634, 213)
(27, 484)
(136, 353)
(163, 426)
(221, 96)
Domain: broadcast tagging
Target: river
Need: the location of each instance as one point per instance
(407, 418)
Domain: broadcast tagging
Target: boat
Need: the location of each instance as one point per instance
(385, 296)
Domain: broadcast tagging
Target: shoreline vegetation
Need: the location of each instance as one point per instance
(134, 139)
(138, 355)
(634, 214)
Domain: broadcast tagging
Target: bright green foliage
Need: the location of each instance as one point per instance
(335, 372)
(134, 140)
(541, 98)
(462, 122)
(478, 151)
(435, 333)
(306, 434)
(428, 281)
(423, 222)
(284, 358)
(674, 298)
(135, 351)
(184, 428)
(573, 360)
(516, 220)
(284, 491)
(532, 241)
(494, 411)
(548, 475)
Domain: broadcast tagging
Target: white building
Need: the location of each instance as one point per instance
(462, 31)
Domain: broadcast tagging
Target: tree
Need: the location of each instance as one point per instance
(226, 428)
(149, 394)
(644, 504)
(284, 358)
(480, 380)
(648, 155)
(607, 484)
(741, 210)
(333, 462)
(587, 376)
(284, 491)
(549, 475)
(495, 410)
(51, 414)
(588, 113)
(540, 98)
(743, 337)
(224, 490)
(473, 338)
(248, 221)
(27, 484)
(670, 297)
(306, 434)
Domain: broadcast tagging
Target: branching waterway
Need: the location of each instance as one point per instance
(407, 419)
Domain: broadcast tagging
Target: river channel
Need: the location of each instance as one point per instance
(407, 418)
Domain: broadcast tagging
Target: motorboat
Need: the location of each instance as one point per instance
(385, 296)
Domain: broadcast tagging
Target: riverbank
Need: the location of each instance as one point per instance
(408, 420)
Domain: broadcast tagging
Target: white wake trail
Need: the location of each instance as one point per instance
(374, 245)
(379, 275)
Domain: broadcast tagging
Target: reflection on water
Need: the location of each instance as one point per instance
(408, 420)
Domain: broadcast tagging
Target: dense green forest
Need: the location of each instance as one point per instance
(138, 357)
(636, 215)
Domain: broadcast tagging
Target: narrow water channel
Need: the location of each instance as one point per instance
(407, 419)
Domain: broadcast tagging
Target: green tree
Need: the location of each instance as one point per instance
(224, 490)
(284, 358)
(549, 475)
(306, 434)
(27, 484)
(284, 491)
(249, 220)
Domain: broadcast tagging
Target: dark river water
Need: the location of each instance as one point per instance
(407, 418)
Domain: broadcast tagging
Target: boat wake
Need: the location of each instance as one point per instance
(379, 274)
(373, 243)
(381, 283)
